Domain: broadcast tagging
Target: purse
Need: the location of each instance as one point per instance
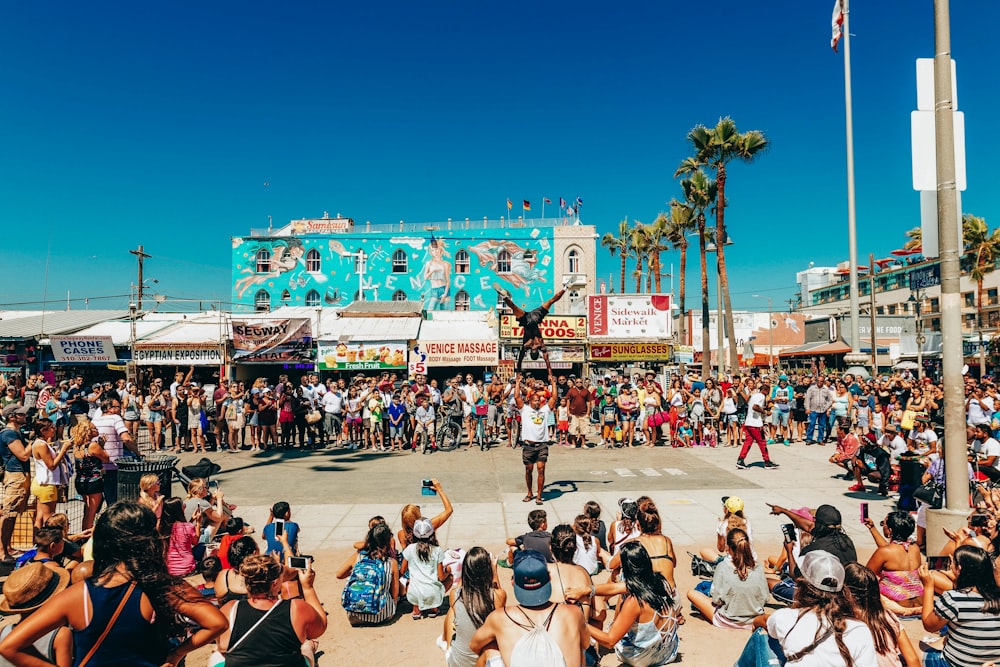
(658, 418)
(313, 416)
(931, 493)
(111, 624)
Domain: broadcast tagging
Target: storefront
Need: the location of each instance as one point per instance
(627, 358)
(179, 347)
(272, 347)
(350, 344)
(565, 337)
(455, 342)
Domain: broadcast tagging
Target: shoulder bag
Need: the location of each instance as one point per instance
(931, 493)
(111, 624)
(216, 658)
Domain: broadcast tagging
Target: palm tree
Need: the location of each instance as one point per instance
(983, 246)
(700, 193)
(656, 231)
(716, 148)
(679, 225)
(914, 239)
(621, 244)
(640, 250)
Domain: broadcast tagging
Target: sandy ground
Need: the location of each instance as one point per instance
(408, 642)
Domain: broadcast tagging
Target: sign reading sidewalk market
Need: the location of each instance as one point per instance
(83, 349)
(553, 327)
(457, 353)
(630, 352)
(635, 316)
(361, 356)
(273, 340)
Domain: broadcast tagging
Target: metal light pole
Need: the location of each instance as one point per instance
(359, 266)
(770, 333)
(915, 299)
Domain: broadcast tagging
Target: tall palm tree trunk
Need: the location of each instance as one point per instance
(638, 274)
(624, 269)
(682, 324)
(720, 244)
(656, 276)
(706, 338)
(649, 273)
(979, 323)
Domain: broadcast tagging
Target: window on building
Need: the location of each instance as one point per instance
(313, 264)
(263, 261)
(970, 299)
(399, 261)
(462, 300)
(969, 321)
(399, 295)
(502, 306)
(262, 301)
(503, 262)
(573, 260)
(892, 309)
(935, 305)
(936, 324)
(461, 261)
(991, 296)
(880, 310)
(312, 299)
(286, 296)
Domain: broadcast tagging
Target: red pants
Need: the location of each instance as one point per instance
(753, 434)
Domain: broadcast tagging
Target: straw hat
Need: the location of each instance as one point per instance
(30, 586)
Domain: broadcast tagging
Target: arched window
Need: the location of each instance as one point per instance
(462, 300)
(312, 299)
(503, 262)
(573, 260)
(461, 261)
(399, 261)
(502, 306)
(313, 264)
(286, 296)
(399, 295)
(262, 301)
(263, 261)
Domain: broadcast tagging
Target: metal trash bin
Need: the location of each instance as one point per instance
(130, 471)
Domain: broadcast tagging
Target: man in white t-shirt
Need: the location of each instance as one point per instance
(986, 450)
(892, 441)
(535, 431)
(117, 439)
(753, 428)
(333, 408)
(923, 438)
(978, 407)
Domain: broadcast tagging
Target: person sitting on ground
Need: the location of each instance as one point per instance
(209, 569)
(739, 589)
(427, 576)
(24, 592)
(873, 462)
(149, 493)
(411, 513)
(470, 604)
(819, 628)
(535, 630)
(181, 537)
(373, 588)
(658, 546)
(48, 547)
(234, 529)
(588, 552)
(827, 535)
(573, 577)
(644, 631)
(537, 539)
(593, 511)
(624, 528)
(896, 564)
(229, 584)
(891, 640)
(72, 552)
(732, 507)
(281, 512)
(213, 511)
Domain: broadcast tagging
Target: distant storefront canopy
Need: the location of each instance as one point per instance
(273, 341)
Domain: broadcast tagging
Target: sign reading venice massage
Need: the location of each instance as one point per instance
(273, 340)
(638, 316)
(457, 353)
(83, 349)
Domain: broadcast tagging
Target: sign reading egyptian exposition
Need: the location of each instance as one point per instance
(640, 316)
(553, 327)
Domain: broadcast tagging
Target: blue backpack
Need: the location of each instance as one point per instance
(367, 589)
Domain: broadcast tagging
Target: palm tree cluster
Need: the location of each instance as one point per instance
(712, 151)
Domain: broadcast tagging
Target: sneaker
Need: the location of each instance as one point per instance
(770, 465)
(787, 443)
(741, 464)
(856, 487)
(770, 441)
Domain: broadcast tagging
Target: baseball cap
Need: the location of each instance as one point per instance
(828, 515)
(869, 439)
(823, 571)
(423, 528)
(29, 587)
(733, 503)
(13, 409)
(532, 583)
(629, 508)
(782, 377)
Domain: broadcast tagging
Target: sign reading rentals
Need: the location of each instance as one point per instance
(457, 353)
(636, 316)
(83, 349)
(275, 340)
(630, 352)
(553, 327)
(180, 355)
(361, 356)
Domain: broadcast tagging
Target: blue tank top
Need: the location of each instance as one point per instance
(132, 642)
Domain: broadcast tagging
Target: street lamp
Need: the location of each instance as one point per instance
(770, 334)
(915, 300)
(360, 261)
(713, 247)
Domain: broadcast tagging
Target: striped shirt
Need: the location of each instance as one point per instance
(972, 633)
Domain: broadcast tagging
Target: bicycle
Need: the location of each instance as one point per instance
(449, 434)
(480, 432)
(513, 428)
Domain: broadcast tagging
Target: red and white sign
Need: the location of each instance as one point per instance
(457, 353)
(640, 316)
(321, 226)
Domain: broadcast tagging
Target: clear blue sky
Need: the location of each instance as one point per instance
(159, 123)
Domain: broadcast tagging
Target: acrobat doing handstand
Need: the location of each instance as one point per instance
(530, 321)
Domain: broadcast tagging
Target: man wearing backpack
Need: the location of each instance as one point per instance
(535, 631)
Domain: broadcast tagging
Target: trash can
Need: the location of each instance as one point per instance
(130, 471)
(911, 473)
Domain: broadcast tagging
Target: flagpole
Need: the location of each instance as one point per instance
(855, 356)
(543, 208)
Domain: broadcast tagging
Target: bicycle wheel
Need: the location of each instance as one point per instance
(514, 433)
(449, 436)
(484, 442)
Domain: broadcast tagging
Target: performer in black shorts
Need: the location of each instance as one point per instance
(534, 430)
(530, 321)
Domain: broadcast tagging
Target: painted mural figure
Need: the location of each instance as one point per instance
(285, 256)
(530, 321)
(521, 272)
(437, 276)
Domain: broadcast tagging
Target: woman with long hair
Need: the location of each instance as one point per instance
(891, 640)
(588, 551)
(377, 556)
(51, 470)
(644, 631)
(422, 561)
(267, 419)
(132, 409)
(180, 537)
(971, 610)
(88, 450)
(131, 609)
(739, 588)
(624, 528)
(820, 623)
(658, 546)
(411, 513)
(471, 603)
(571, 576)
(195, 406)
(157, 405)
(628, 410)
(896, 562)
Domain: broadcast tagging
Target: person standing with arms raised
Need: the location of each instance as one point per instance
(534, 431)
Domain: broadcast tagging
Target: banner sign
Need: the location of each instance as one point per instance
(273, 341)
(321, 226)
(178, 355)
(684, 354)
(553, 327)
(456, 353)
(637, 316)
(925, 276)
(630, 352)
(82, 349)
(361, 356)
(560, 356)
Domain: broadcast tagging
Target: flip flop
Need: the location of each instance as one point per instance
(539, 502)
(528, 498)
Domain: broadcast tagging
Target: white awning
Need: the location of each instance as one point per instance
(460, 325)
(363, 329)
(121, 332)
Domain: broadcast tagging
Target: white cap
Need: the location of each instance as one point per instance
(823, 570)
